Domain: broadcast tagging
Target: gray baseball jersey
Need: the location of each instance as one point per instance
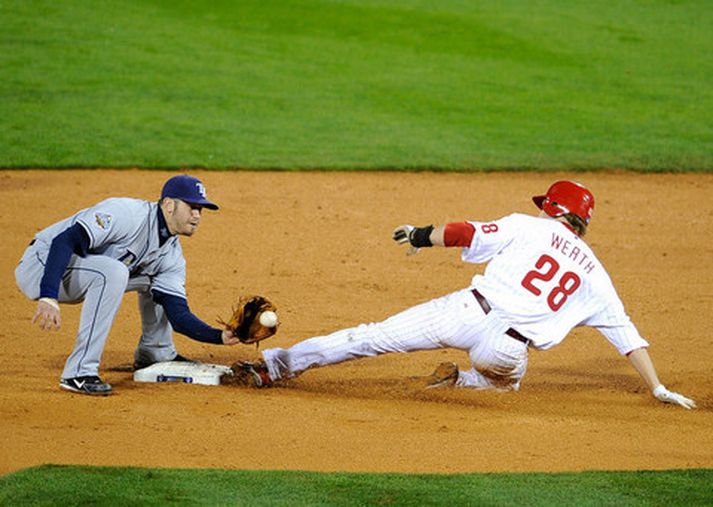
(127, 230)
(124, 255)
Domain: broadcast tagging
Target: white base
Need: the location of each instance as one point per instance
(181, 371)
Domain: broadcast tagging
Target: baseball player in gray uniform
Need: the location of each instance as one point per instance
(541, 281)
(115, 246)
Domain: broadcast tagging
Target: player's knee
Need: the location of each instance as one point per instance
(501, 372)
(115, 274)
(29, 286)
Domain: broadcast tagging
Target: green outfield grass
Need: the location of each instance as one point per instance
(291, 84)
(64, 485)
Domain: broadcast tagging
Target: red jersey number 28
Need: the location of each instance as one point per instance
(546, 269)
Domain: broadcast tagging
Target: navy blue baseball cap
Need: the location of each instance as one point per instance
(188, 189)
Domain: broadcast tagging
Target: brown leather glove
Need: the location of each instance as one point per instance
(246, 322)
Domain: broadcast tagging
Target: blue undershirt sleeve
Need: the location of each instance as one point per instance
(73, 240)
(184, 322)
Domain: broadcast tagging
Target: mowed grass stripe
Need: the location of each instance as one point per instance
(67, 485)
(357, 84)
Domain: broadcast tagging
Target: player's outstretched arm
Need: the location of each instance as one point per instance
(437, 236)
(419, 237)
(641, 361)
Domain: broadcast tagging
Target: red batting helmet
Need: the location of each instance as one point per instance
(566, 197)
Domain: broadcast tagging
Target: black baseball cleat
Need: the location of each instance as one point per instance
(145, 364)
(90, 384)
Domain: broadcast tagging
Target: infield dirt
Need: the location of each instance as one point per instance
(319, 245)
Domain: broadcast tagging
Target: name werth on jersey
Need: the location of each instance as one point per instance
(566, 248)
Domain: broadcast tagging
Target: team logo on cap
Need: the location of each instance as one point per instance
(103, 220)
(201, 189)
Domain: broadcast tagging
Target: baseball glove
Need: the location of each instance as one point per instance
(246, 322)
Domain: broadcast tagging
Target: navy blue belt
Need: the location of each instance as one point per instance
(487, 309)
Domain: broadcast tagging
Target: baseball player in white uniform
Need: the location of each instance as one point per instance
(541, 281)
(119, 245)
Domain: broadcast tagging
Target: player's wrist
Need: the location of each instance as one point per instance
(50, 301)
(420, 237)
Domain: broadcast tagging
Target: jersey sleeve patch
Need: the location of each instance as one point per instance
(99, 226)
(106, 222)
(103, 220)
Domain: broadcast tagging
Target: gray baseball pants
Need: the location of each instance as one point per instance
(98, 282)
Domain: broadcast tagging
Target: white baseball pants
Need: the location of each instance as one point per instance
(455, 320)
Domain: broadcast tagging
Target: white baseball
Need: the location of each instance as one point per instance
(268, 319)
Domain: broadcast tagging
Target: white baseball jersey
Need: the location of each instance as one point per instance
(126, 229)
(543, 280)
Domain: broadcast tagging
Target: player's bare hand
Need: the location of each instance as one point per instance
(229, 338)
(47, 315)
(666, 396)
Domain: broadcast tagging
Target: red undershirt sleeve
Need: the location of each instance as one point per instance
(458, 234)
